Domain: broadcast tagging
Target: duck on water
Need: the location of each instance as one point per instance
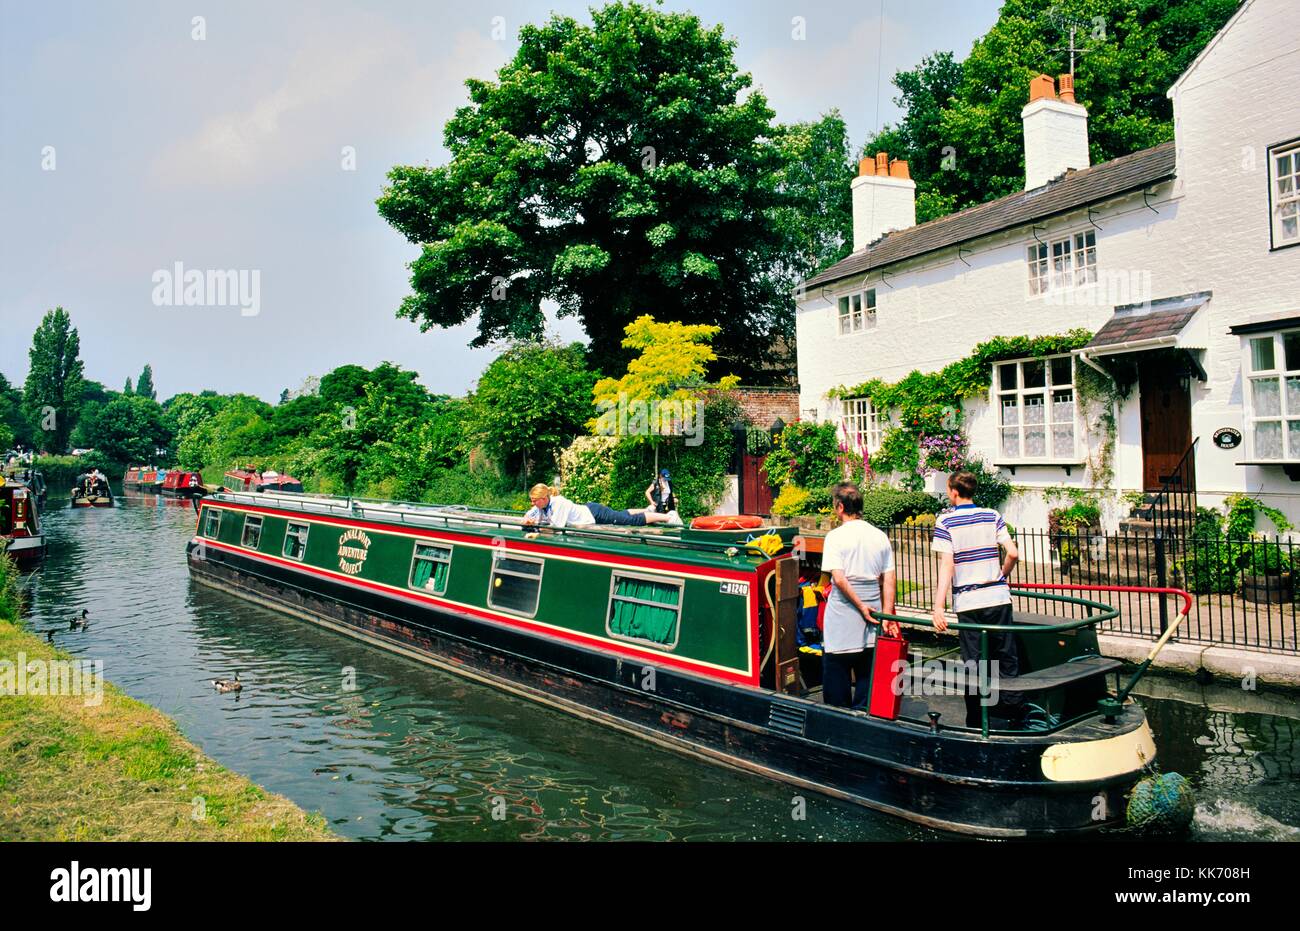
(687, 637)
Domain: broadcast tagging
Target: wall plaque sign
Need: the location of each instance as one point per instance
(1227, 438)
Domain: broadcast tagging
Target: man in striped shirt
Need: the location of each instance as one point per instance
(967, 539)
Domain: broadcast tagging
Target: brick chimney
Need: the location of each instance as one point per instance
(1056, 130)
(884, 199)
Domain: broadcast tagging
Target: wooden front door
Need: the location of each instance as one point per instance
(1166, 423)
(755, 492)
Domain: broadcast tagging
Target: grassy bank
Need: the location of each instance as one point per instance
(73, 769)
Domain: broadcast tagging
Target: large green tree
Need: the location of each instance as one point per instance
(816, 212)
(531, 400)
(363, 408)
(961, 131)
(144, 384)
(53, 390)
(11, 414)
(127, 429)
(617, 168)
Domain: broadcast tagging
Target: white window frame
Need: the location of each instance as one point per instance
(251, 521)
(302, 538)
(1287, 413)
(998, 395)
(496, 570)
(207, 519)
(1284, 193)
(416, 557)
(1068, 261)
(863, 426)
(855, 312)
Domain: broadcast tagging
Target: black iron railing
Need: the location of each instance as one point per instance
(1245, 589)
(1173, 507)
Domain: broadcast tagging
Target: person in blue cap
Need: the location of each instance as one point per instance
(660, 494)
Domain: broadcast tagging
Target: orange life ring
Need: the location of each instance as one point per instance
(727, 522)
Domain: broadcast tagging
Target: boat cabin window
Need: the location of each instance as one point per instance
(295, 540)
(645, 608)
(516, 583)
(212, 523)
(430, 567)
(252, 532)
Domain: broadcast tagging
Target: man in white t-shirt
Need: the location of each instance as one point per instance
(860, 561)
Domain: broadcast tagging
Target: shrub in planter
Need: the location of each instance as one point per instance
(1071, 528)
(1266, 576)
(884, 506)
(1267, 558)
(1223, 548)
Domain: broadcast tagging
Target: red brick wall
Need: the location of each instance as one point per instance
(764, 405)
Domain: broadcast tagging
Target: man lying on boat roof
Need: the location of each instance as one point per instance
(552, 510)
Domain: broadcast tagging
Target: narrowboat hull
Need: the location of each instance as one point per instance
(21, 533)
(950, 780)
(92, 501)
(145, 480)
(26, 551)
(191, 491)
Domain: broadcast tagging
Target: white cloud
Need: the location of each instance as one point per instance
(349, 79)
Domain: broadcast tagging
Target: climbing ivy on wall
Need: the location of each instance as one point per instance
(930, 404)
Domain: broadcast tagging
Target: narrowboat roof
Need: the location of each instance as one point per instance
(680, 544)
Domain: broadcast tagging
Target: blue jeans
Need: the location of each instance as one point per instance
(604, 514)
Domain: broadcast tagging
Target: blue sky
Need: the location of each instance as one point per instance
(227, 152)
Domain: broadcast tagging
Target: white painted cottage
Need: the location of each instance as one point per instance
(1181, 259)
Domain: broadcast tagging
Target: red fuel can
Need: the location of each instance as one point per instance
(885, 699)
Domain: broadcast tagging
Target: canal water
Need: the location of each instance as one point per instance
(411, 752)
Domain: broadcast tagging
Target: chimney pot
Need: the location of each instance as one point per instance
(1041, 87)
(1056, 131)
(884, 199)
(1067, 88)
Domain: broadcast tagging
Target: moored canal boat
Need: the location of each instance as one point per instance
(143, 478)
(686, 638)
(34, 479)
(251, 479)
(21, 536)
(180, 484)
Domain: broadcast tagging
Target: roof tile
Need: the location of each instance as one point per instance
(1074, 189)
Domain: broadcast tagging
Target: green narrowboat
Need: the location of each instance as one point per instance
(685, 638)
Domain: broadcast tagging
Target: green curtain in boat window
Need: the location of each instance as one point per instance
(651, 616)
(427, 568)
